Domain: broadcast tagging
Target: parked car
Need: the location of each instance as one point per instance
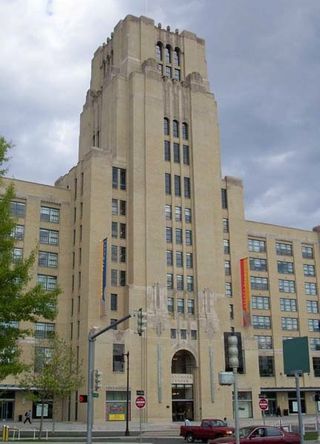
(260, 435)
(208, 429)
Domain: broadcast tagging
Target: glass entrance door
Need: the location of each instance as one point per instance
(6, 409)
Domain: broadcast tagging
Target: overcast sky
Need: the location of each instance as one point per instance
(264, 69)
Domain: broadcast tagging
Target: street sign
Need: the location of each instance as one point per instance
(263, 404)
(95, 395)
(140, 402)
(140, 392)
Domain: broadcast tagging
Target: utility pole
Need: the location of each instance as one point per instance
(233, 356)
(127, 433)
(93, 334)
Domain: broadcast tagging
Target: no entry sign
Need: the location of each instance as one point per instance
(263, 404)
(140, 402)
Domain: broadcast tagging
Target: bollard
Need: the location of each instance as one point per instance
(5, 433)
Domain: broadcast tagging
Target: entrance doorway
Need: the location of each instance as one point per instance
(182, 386)
(6, 409)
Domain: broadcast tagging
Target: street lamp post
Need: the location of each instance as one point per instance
(127, 433)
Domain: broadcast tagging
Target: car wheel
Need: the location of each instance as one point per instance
(189, 438)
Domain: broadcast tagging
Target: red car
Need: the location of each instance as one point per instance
(261, 435)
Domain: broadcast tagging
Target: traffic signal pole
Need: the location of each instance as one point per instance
(93, 334)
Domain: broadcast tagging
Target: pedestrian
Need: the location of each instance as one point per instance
(225, 421)
(27, 416)
(187, 422)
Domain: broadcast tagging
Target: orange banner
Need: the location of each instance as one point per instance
(245, 290)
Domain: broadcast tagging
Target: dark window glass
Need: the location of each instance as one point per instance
(186, 155)
(167, 154)
(168, 54)
(176, 153)
(177, 185)
(159, 51)
(168, 183)
(176, 57)
(166, 126)
(224, 198)
(175, 128)
(187, 188)
(123, 180)
(114, 177)
(185, 131)
(178, 236)
(17, 209)
(118, 358)
(266, 366)
(113, 302)
(122, 231)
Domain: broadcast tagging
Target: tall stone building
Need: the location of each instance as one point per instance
(144, 220)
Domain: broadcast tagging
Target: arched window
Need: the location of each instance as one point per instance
(185, 131)
(175, 128)
(168, 54)
(166, 126)
(176, 57)
(159, 51)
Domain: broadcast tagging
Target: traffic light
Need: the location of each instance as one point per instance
(97, 380)
(83, 398)
(141, 321)
(233, 351)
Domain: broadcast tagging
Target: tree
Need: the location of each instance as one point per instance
(18, 300)
(55, 377)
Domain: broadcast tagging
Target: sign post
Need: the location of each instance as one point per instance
(264, 405)
(140, 403)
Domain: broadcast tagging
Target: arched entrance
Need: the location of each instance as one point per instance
(182, 385)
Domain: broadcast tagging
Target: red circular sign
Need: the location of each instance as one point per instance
(140, 402)
(263, 404)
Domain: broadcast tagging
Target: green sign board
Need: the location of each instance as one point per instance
(296, 356)
(95, 395)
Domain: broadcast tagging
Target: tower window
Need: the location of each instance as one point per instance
(159, 51)
(175, 128)
(166, 126)
(168, 54)
(176, 57)
(185, 131)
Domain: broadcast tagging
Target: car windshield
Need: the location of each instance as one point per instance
(245, 431)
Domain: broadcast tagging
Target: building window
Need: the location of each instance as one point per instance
(122, 279)
(314, 344)
(289, 323)
(259, 283)
(189, 283)
(113, 302)
(191, 306)
(44, 330)
(313, 325)
(312, 307)
(17, 255)
(166, 126)
(114, 277)
(179, 259)
(178, 236)
(175, 128)
(188, 237)
(177, 74)
(257, 264)
(288, 304)
(167, 152)
(257, 245)
(50, 237)
(186, 155)
(264, 342)
(118, 358)
(159, 51)
(228, 289)
(180, 305)
(261, 321)
(42, 356)
(187, 188)
(176, 57)
(316, 366)
(50, 215)
(48, 283)
(115, 207)
(179, 281)
(260, 302)
(169, 235)
(185, 131)
(183, 334)
(189, 260)
(266, 366)
(231, 312)
(47, 259)
(122, 254)
(119, 179)
(170, 305)
(168, 212)
(193, 335)
(17, 209)
(177, 185)
(114, 229)
(114, 253)
(224, 198)
(286, 286)
(122, 231)
(187, 215)
(123, 207)
(167, 53)
(285, 267)
(168, 183)
(227, 268)
(18, 232)
(310, 288)
(173, 333)
(309, 270)
(226, 246)
(283, 249)
(178, 214)
(307, 252)
(170, 281)
(225, 224)
(176, 153)
(169, 256)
